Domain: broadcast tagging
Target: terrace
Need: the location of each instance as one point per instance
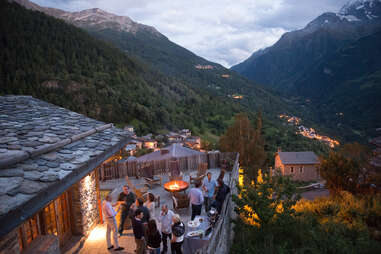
(95, 242)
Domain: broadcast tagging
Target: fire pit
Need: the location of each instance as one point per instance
(176, 186)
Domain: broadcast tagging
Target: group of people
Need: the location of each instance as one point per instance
(212, 194)
(142, 215)
(144, 224)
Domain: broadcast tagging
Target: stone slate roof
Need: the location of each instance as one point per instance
(298, 157)
(44, 149)
(174, 151)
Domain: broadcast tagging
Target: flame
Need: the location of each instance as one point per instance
(174, 186)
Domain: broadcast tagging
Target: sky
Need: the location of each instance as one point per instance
(222, 31)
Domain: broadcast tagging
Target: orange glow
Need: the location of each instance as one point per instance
(176, 185)
(308, 132)
(97, 234)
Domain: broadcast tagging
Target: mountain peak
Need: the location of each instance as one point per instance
(361, 10)
(95, 18)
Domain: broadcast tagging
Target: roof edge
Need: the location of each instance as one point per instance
(24, 155)
(17, 216)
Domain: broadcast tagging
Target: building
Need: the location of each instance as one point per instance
(137, 142)
(129, 128)
(302, 166)
(193, 142)
(150, 144)
(186, 132)
(175, 137)
(130, 149)
(49, 183)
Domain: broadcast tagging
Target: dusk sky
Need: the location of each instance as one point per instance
(222, 31)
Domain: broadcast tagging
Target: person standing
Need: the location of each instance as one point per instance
(196, 199)
(150, 204)
(222, 192)
(166, 226)
(146, 214)
(138, 229)
(109, 214)
(153, 237)
(209, 186)
(126, 199)
(178, 231)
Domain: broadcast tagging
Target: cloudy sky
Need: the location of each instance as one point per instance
(223, 31)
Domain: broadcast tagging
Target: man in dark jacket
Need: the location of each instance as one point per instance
(138, 229)
(222, 192)
(126, 199)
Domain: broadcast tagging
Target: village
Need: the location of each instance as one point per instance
(154, 143)
(308, 132)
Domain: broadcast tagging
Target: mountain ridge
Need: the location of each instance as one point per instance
(321, 64)
(92, 16)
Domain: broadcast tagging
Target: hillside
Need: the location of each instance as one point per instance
(322, 62)
(297, 52)
(153, 48)
(55, 61)
(354, 99)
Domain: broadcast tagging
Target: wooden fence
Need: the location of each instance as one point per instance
(122, 168)
(223, 234)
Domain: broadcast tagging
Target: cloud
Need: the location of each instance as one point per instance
(222, 31)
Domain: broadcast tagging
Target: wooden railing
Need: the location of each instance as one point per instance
(223, 233)
(122, 168)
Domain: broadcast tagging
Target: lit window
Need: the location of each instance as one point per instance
(292, 169)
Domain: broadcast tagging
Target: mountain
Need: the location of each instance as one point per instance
(326, 63)
(296, 52)
(346, 87)
(57, 62)
(156, 50)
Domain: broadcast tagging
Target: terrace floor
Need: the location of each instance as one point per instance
(96, 241)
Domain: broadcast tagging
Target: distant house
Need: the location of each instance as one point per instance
(49, 177)
(186, 132)
(193, 142)
(129, 128)
(150, 144)
(302, 166)
(175, 137)
(137, 142)
(130, 149)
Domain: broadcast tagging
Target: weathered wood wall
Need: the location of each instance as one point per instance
(122, 168)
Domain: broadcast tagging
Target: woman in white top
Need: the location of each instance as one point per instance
(150, 204)
(178, 231)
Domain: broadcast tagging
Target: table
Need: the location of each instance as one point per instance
(192, 244)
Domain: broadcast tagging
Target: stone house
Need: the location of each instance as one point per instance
(302, 166)
(49, 183)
